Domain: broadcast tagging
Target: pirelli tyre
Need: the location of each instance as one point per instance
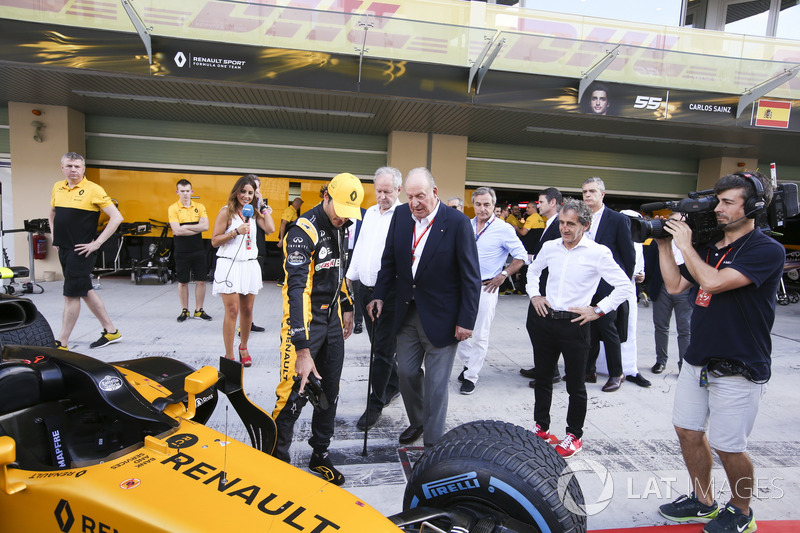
(37, 333)
(497, 467)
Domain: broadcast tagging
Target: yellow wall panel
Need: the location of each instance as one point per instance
(143, 195)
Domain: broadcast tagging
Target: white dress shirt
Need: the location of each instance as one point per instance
(575, 273)
(366, 261)
(596, 216)
(548, 222)
(419, 233)
(494, 244)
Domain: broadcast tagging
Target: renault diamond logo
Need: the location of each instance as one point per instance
(353, 196)
(64, 516)
(180, 59)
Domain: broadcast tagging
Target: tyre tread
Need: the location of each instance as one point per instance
(512, 452)
(37, 333)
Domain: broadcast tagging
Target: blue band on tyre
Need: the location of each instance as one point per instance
(520, 499)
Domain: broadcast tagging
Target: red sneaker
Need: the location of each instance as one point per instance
(544, 434)
(569, 446)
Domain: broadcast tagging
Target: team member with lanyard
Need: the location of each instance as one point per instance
(431, 260)
(495, 241)
(733, 280)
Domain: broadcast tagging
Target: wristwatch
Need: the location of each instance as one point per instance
(505, 273)
(598, 311)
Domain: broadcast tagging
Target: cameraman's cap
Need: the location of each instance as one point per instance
(347, 194)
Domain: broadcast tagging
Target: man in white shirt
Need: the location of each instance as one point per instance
(364, 268)
(561, 326)
(495, 241)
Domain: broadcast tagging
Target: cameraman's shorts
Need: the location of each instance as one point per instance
(195, 263)
(77, 271)
(726, 407)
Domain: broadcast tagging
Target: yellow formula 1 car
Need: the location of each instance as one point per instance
(86, 446)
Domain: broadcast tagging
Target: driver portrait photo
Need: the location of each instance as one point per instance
(596, 100)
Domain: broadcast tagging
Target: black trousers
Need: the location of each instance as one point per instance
(605, 329)
(358, 309)
(385, 383)
(327, 350)
(551, 337)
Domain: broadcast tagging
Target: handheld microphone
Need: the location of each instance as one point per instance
(247, 212)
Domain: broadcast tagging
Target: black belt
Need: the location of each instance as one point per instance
(561, 315)
(487, 279)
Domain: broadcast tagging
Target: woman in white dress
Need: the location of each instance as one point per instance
(238, 276)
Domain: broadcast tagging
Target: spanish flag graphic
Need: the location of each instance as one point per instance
(773, 113)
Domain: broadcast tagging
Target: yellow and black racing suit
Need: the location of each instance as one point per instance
(314, 297)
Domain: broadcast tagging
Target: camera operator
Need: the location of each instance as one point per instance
(734, 280)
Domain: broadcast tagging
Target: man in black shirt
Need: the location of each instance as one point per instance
(733, 281)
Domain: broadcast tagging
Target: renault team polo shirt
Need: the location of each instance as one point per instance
(77, 212)
(289, 214)
(185, 216)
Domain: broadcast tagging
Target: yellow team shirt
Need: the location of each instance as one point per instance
(187, 215)
(289, 214)
(514, 221)
(77, 212)
(183, 215)
(534, 221)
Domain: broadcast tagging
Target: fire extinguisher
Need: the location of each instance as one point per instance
(39, 246)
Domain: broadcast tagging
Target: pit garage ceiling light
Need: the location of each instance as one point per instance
(227, 105)
(637, 138)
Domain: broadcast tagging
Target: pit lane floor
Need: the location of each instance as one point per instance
(630, 462)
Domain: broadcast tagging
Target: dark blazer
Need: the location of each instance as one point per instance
(550, 233)
(447, 286)
(614, 231)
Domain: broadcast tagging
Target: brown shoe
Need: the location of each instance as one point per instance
(590, 378)
(613, 383)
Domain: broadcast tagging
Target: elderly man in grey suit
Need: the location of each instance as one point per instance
(431, 259)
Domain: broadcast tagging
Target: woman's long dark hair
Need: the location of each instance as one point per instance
(233, 200)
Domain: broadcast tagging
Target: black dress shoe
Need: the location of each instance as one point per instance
(368, 419)
(556, 379)
(392, 397)
(657, 368)
(257, 329)
(639, 380)
(358, 329)
(613, 383)
(411, 434)
(529, 373)
(591, 378)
